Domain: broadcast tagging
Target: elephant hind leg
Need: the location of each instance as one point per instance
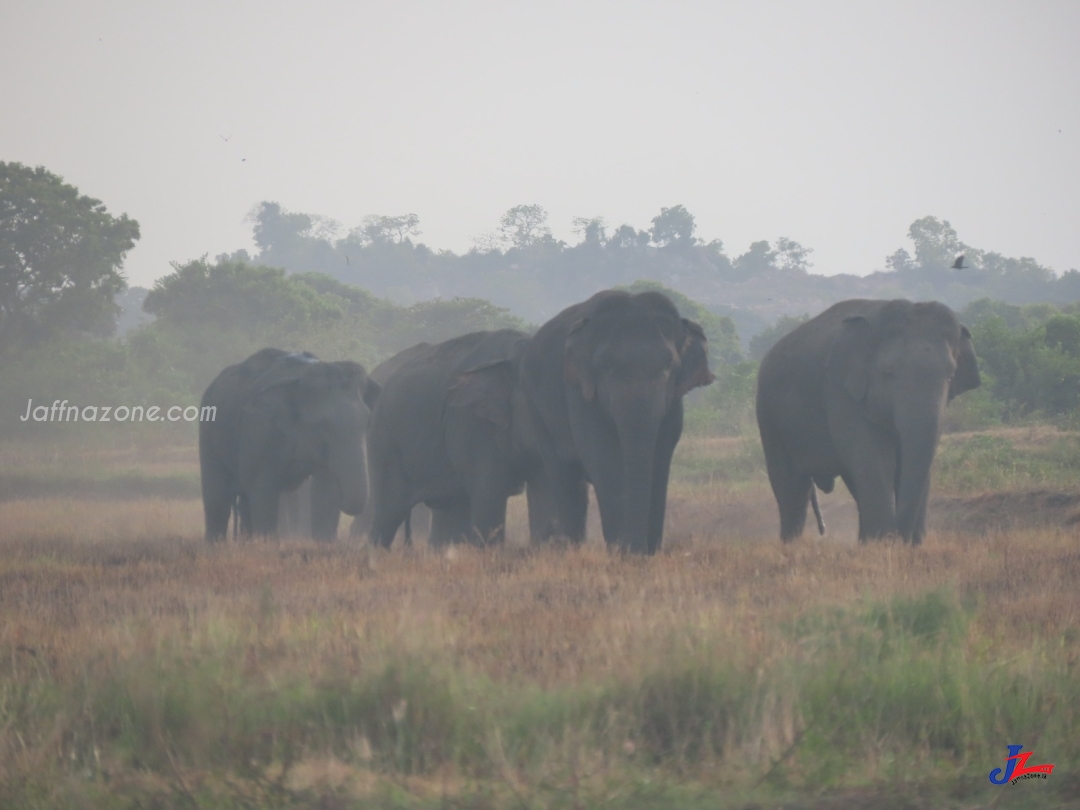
(792, 490)
(218, 511)
(793, 504)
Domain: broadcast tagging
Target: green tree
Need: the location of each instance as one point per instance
(793, 257)
(627, 236)
(256, 300)
(593, 230)
(766, 339)
(61, 255)
(524, 225)
(279, 229)
(936, 242)
(381, 230)
(673, 227)
(1063, 332)
(758, 260)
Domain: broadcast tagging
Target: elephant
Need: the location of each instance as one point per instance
(603, 382)
(278, 419)
(420, 518)
(860, 392)
(442, 434)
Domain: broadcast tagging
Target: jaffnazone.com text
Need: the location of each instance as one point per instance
(60, 411)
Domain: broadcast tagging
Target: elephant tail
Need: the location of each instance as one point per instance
(817, 509)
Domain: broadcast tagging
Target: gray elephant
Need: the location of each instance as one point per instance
(604, 382)
(297, 518)
(280, 418)
(860, 392)
(442, 434)
(420, 518)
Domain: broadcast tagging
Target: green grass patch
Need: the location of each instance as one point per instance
(895, 693)
(978, 462)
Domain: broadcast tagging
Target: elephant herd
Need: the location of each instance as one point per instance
(594, 397)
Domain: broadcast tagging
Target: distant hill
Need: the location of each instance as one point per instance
(534, 276)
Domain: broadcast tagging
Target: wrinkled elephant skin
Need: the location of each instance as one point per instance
(281, 418)
(859, 393)
(604, 382)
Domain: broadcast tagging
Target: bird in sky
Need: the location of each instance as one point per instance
(959, 263)
(223, 137)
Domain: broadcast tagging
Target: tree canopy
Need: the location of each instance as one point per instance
(61, 254)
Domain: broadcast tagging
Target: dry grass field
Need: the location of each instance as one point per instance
(141, 668)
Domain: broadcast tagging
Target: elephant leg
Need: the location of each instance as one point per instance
(218, 498)
(449, 525)
(325, 506)
(920, 522)
(263, 502)
(569, 493)
(487, 509)
(602, 460)
(291, 506)
(607, 480)
(790, 487)
(489, 480)
(390, 498)
(420, 519)
(670, 431)
(871, 478)
(361, 523)
(242, 523)
(542, 512)
(792, 490)
(386, 522)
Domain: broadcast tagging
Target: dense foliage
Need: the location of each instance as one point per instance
(522, 267)
(60, 258)
(370, 291)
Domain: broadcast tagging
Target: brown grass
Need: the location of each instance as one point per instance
(87, 584)
(77, 578)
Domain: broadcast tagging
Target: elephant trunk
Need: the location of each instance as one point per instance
(349, 467)
(637, 440)
(919, 429)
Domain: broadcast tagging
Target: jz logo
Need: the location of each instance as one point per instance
(1016, 768)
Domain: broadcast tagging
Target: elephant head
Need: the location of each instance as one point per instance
(627, 364)
(901, 364)
(306, 417)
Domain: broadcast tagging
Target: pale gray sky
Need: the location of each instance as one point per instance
(833, 123)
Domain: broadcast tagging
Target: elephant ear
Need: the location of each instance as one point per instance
(966, 376)
(577, 360)
(850, 358)
(693, 359)
(485, 391)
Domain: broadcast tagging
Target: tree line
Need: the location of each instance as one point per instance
(61, 256)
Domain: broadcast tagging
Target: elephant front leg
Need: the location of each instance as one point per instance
(263, 503)
(541, 505)
(488, 511)
(670, 432)
(870, 477)
(448, 524)
(325, 506)
(570, 495)
(219, 496)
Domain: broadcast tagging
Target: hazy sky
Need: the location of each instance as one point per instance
(833, 123)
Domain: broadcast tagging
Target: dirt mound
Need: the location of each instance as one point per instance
(1001, 511)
